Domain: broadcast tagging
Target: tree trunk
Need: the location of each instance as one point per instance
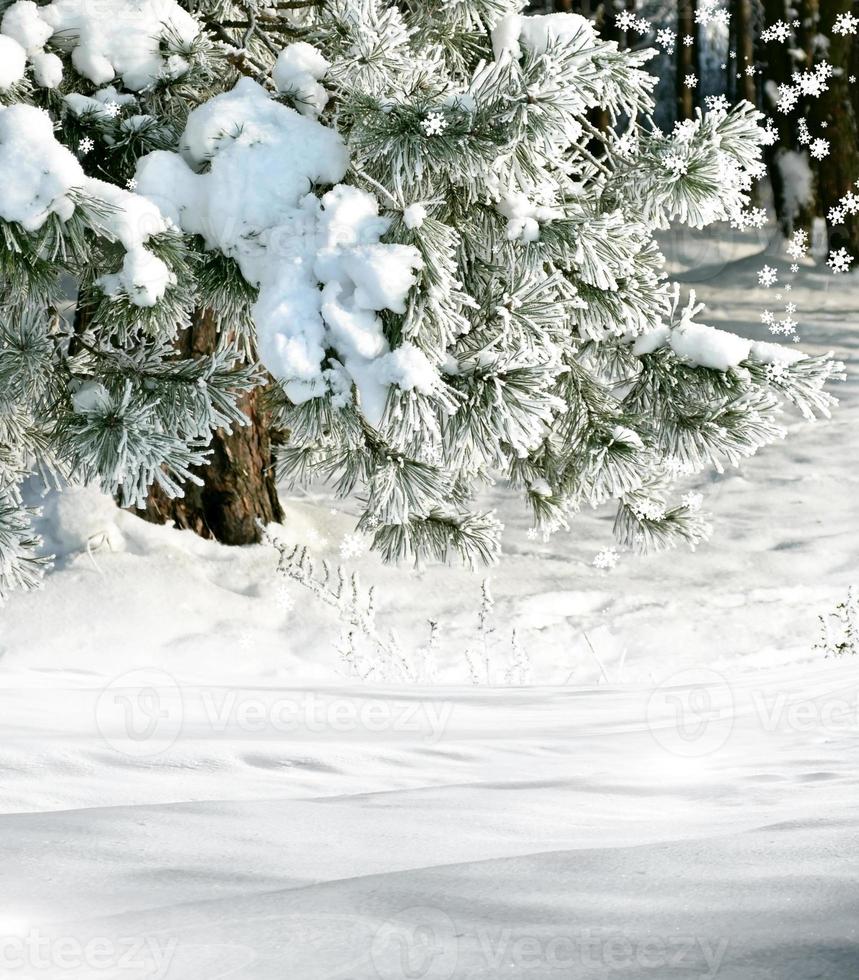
(238, 482)
(687, 58)
(776, 70)
(742, 23)
(837, 172)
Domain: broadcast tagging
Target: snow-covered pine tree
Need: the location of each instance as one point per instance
(404, 213)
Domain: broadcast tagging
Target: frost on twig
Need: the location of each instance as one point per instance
(369, 653)
(839, 629)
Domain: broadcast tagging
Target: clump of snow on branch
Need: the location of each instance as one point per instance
(322, 272)
(106, 39)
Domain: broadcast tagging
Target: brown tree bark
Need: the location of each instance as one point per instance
(238, 482)
(743, 27)
(687, 57)
(833, 117)
(776, 68)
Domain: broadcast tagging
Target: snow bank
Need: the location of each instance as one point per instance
(322, 271)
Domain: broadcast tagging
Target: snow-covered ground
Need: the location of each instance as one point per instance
(192, 787)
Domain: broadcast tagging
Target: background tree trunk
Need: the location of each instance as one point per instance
(687, 57)
(238, 483)
(838, 172)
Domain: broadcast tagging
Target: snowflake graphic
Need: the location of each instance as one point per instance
(692, 501)
(767, 276)
(845, 24)
(607, 558)
(676, 164)
(779, 31)
(131, 184)
(690, 81)
(839, 261)
(798, 245)
(111, 109)
(666, 38)
(819, 149)
(85, 145)
(434, 124)
(352, 546)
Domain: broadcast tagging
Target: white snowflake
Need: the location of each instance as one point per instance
(768, 317)
(434, 124)
(111, 109)
(692, 501)
(775, 372)
(850, 203)
(676, 164)
(607, 558)
(131, 184)
(690, 81)
(641, 26)
(845, 24)
(839, 261)
(352, 546)
(779, 31)
(835, 216)
(285, 599)
(666, 37)
(788, 96)
(819, 149)
(716, 102)
(798, 245)
(625, 20)
(688, 40)
(85, 145)
(767, 276)
(770, 134)
(794, 267)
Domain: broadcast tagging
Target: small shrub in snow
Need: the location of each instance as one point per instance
(839, 629)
